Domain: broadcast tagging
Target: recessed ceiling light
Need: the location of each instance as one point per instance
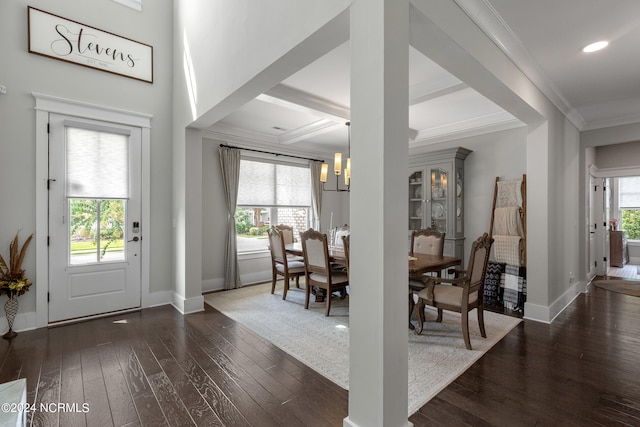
(595, 46)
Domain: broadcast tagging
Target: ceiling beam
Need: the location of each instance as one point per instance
(312, 129)
(297, 100)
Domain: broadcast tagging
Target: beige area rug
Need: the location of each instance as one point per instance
(436, 358)
(627, 287)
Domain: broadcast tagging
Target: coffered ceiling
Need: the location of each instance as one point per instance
(543, 38)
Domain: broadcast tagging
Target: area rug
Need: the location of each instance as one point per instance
(627, 287)
(436, 358)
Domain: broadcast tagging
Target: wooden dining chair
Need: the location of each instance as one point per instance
(461, 294)
(287, 233)
(318, 272)
(425, 241)
(289, 238)
(338, 232)
(345, 246)
(280, 264)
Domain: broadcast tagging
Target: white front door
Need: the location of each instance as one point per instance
(94, 217)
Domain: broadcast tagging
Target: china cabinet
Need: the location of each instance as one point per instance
(436, 195)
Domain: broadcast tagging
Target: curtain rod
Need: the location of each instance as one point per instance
(273, 154)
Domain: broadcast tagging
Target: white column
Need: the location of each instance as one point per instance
(378, 217)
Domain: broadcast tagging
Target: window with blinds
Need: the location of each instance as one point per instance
(629, 206)
(270, 193)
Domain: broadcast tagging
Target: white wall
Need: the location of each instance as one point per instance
(23, 73)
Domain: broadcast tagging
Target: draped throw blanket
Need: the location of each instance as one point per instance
(507, 249)
(508, 222)
(514, 287)
(509, 193)
(492, 280)
(505, 285)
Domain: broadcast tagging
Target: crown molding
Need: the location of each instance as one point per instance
(226, 133)
(305, 102)
(489, 123)
(491, 23)
(606, 123)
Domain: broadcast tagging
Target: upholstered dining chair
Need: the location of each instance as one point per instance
(461, 294)
(287, 234)
(338, 233)
(280, 264)
(425, 241)
(318, 272)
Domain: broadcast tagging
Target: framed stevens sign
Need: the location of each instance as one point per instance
(56, 37)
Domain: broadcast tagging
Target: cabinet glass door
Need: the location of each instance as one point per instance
(416, 199)
(439, 198)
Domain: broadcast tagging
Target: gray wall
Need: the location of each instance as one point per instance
(500, 154)
(23, 73)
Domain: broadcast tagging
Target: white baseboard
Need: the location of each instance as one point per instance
(160, 298)
(211, 285)
(346, 422)
(256, 277)
(190, 305)
(544, 314)
(23, 322)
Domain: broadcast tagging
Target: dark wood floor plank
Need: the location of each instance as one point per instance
(275, 360)
(147, 406)
(48, 393)
(198, 408)
(234, 382)
(120, 399)
(187, 353)
(157, 367)
(172, 407)
(71, 389)
(326, 402)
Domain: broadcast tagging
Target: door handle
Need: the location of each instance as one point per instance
(135, 239)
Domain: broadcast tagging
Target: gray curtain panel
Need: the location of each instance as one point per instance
(316, 192)
(230, 167)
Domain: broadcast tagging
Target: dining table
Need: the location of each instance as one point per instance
(419, 264)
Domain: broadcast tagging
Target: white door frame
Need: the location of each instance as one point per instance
(46, 105)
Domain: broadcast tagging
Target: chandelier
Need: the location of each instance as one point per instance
(337, 167)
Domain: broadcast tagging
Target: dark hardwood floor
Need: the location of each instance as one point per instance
(161, 368)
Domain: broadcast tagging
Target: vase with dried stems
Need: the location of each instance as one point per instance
(13, 281)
